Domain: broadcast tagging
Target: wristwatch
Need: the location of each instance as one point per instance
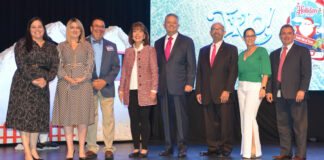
(263, 87)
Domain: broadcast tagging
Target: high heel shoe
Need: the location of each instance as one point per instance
(134, 154)
(71, 158)
(36, 158)
(142, 155)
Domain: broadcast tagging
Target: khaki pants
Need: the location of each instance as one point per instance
(108, 124)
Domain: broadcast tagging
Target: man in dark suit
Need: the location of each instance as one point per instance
(177, 68)
(105, 71)
(216, 76)
(291, 67)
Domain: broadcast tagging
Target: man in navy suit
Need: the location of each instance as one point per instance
(287, 86)
(216, 76)
(177, 68)
(105, 71)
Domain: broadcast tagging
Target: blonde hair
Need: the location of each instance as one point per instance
(80, 26)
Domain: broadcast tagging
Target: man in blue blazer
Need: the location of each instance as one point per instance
(105, 71)
(177, 68)
(287, 86)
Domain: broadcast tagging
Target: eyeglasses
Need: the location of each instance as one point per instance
(249, 36)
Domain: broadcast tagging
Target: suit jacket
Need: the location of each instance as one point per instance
(180, 69)
(110, 66)
(212, 81)
(147, 75)
(295, 74)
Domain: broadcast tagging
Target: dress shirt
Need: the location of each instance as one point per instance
(97, 48)
(173, 40)
(133, 80)
(218, 44)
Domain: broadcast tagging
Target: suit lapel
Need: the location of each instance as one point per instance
(104, 54)
(175, 45)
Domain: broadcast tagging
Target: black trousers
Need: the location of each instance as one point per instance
(139, 121)
(292, 120)
(219, 126)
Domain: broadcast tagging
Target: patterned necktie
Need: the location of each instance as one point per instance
(282, 60)
(213, 56)
(95, 41)
(168, 48)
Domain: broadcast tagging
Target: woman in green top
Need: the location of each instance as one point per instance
(253, 71)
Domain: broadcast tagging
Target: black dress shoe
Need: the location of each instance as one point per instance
(141, 155)
(36, 158)
(82, 158)
(182, 154)
(167, 152)
(69, 158)
(134, 154)
(208, 153)
(226, 154)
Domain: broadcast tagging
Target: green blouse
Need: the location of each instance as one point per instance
(256, 65)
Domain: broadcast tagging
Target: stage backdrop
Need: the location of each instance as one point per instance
(266, 17)
(57, 32)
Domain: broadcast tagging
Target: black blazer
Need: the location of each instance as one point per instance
(180, 69)
(295, 74)
(212, 81)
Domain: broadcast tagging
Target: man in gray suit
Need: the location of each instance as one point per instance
(287, 86)
(105, 71)
(177, 68)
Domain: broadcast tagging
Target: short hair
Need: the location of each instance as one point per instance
(98, 18)
(141, 26)
(171, 14)
(68, 30)
(219, 24)
(248, 29)
(287, 26)
(28, 36)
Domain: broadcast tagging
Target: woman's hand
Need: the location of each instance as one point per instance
(79, 80)
(71, 80)
(262, 93)
(121, 95)
(152, 95)
(40, 82)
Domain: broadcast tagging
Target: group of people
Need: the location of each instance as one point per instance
(87, 67)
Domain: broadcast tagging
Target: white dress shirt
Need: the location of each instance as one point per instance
(173, 40)
(218, 44)
(133, 79)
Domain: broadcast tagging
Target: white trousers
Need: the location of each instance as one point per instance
(249, 102)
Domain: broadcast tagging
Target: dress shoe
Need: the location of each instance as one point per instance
(226, 154)
(142, 155)
(91, 155)
(167, 152)
(109, 155)
(134, 154)
(69, 158)
(208, 153)
(299, 158)
(281, 157)
(82, 158)
(182, 154)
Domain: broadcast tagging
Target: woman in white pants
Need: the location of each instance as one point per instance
(253, 71)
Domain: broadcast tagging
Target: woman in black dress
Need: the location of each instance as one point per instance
(37, 64)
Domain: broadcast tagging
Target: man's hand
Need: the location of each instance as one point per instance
(224, 97)
(99, 84)
(188, 88)
(300, 96)
(199, 98)
(269, 97)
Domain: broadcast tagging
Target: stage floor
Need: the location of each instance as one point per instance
(315, 151)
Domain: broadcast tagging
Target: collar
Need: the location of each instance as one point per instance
(93, 41)
(173, 36)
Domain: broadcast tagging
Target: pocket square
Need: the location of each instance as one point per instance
(110, 48)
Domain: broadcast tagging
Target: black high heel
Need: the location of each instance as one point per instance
(36, 158)
(71, 157)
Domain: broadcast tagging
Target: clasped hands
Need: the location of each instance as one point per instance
(40, 82)
(74, 81)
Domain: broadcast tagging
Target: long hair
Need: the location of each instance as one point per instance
(28, 36)
(141, 26)
(68, 30)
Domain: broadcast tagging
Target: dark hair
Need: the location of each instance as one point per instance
(98, 18)
(142, 27)
(248, 29)
(287, 26)
(29, 39)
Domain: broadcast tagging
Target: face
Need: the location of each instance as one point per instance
(37, 30)
(287, 36)
(249, 38)
(138, 35)
(97, 29)
(171, 25)
(75, 31)
(217, 32)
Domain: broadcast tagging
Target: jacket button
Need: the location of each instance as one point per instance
(140, 75)
(139, 66)
(140, 84)
(139, 58)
